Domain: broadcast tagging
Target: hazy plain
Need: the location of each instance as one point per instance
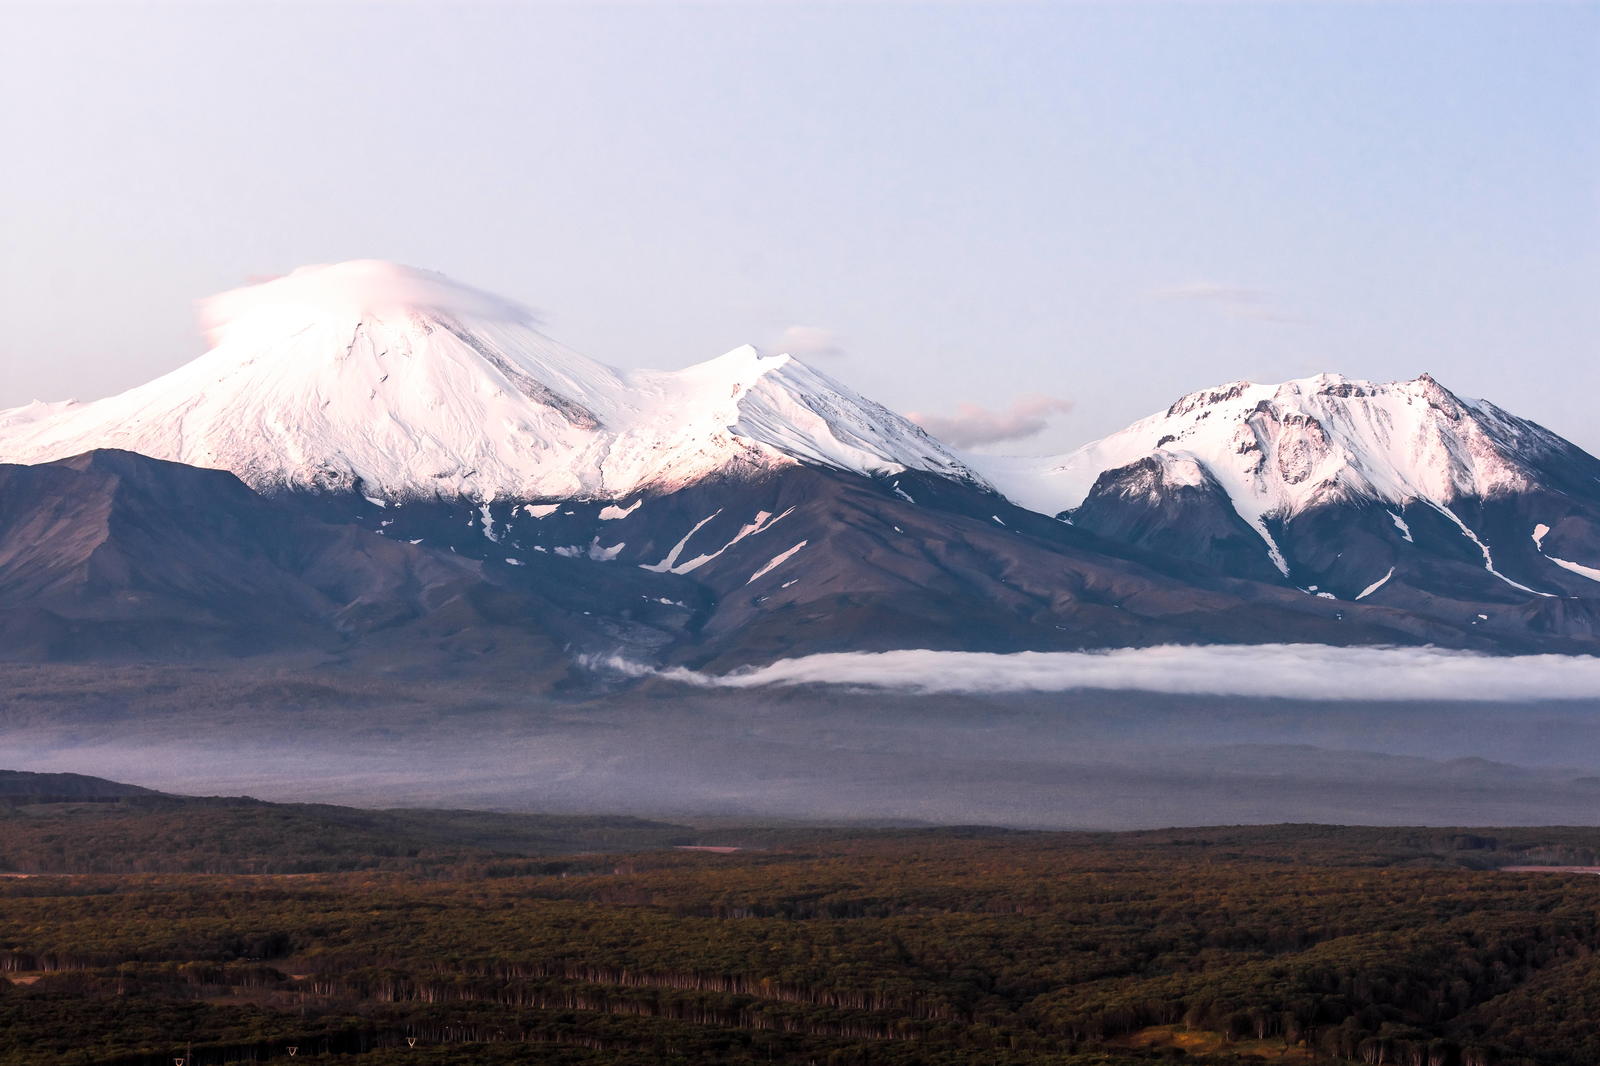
(1093, 759)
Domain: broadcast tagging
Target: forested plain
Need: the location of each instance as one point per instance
(152, 928)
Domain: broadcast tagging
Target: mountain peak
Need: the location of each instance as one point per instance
(401, 383)
(1280, 449)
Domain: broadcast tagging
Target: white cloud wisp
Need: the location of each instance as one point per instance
(1288, 671)
(810, 342)
(973, 424)
(1235, 301)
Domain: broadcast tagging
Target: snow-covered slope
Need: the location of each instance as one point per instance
(1402, 492)
(403, 384)
(1279, 450)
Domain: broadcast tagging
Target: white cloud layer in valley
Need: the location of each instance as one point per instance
(1289, 671)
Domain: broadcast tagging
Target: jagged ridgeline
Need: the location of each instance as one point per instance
(425, 478)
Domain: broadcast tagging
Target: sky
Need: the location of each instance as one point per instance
(1028, 224)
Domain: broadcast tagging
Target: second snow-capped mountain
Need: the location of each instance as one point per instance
(1398, 493)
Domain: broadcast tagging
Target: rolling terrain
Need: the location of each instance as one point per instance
(1288, 943)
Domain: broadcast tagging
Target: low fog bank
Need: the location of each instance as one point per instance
(1075, 759)
(1290, 671)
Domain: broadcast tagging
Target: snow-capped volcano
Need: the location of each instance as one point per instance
(1341, 487)
(403, 384)
(1279, 450)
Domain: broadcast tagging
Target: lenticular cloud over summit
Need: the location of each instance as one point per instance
(358, 287)
(1293, 671)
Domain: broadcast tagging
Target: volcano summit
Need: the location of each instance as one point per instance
(406, 385)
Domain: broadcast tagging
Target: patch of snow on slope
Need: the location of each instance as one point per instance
(605, 555)
(763, 522)
(541, 510)
(775, 563)
(1577, 568)
(611, 512)
(1273, 551)
(1488, 560)
(1541, 531)
(1400, 524)
(672, 556)
(1376, 585)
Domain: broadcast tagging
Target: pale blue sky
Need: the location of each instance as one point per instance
(1109, 204)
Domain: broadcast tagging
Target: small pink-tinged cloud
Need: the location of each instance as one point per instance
(809, 342)
(973, 424)
(1235, 301)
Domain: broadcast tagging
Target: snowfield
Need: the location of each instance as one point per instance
(1280, 450)
(399, 383)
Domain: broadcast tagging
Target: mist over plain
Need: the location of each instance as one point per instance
(1084, 757)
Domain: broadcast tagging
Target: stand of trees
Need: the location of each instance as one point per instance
(1297, 944)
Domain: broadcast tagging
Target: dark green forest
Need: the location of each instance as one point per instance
(154, 927)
